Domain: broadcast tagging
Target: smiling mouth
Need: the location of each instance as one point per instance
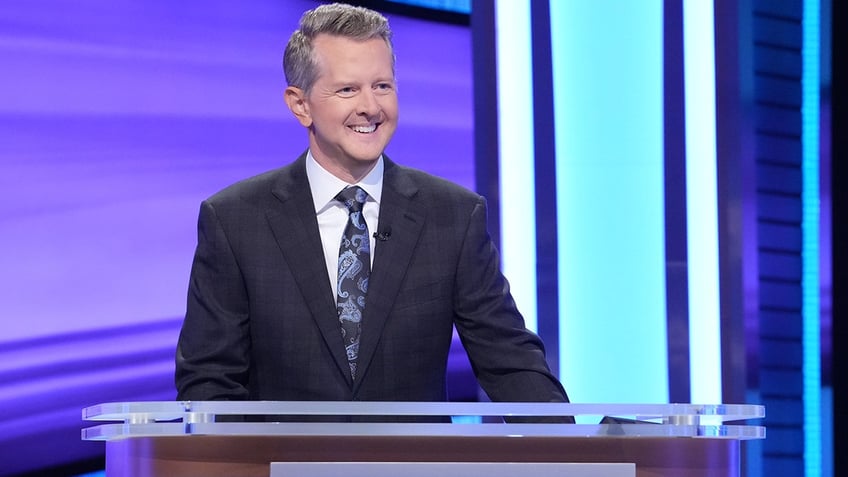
(365, 129)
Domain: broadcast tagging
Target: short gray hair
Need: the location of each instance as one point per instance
(336, 19)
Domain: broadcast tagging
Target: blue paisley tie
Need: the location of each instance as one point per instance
(354, 270)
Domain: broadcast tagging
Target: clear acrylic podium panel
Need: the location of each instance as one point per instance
(172, 418)
(218, 438)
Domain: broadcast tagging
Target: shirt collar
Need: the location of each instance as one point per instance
(325, 186)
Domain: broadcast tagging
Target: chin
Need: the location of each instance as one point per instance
(368, 155)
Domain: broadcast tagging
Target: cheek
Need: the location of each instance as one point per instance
(326, 120)
(389, 105)
(328, 111)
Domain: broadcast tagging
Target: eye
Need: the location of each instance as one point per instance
(384, 87)
(346, 91)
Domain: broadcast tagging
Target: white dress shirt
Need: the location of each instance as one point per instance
(332, 215)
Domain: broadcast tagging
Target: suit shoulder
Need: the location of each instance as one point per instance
(439, 187)
(250, 189)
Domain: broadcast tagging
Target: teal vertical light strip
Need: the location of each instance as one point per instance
(516, 160)
(607, 62)
(810, 84)
(702, 202)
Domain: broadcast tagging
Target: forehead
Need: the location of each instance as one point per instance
(337, 55)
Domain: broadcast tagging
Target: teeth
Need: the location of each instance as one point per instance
(364, 129)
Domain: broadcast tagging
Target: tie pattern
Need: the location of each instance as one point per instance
(354, 270)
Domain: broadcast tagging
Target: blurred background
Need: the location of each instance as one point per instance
(658, 173)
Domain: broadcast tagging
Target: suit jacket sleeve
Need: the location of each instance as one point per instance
(508, 360)
(214, 346)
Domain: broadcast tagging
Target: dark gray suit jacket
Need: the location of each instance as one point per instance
(261, 322)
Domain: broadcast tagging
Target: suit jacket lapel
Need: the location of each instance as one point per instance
(295, 228)
(400, 211)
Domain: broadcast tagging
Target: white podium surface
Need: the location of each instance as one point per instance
(449, 469)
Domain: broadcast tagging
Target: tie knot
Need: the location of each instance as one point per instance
(352, 198)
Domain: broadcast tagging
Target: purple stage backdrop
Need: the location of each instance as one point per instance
(116, 119)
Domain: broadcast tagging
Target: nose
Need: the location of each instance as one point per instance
(368, 105)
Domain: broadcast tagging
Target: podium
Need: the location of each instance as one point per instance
(194, 438)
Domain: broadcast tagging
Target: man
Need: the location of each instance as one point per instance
(277, 310)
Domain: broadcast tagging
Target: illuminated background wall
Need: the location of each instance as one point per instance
(684, 141)
(118, 118)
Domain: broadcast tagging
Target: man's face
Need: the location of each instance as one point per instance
(352, 109)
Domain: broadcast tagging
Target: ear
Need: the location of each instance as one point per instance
(296, 101)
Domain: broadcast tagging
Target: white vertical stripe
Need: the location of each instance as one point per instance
(702, 202)
(516, 160)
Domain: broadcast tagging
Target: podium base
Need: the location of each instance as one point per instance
(211, 455)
